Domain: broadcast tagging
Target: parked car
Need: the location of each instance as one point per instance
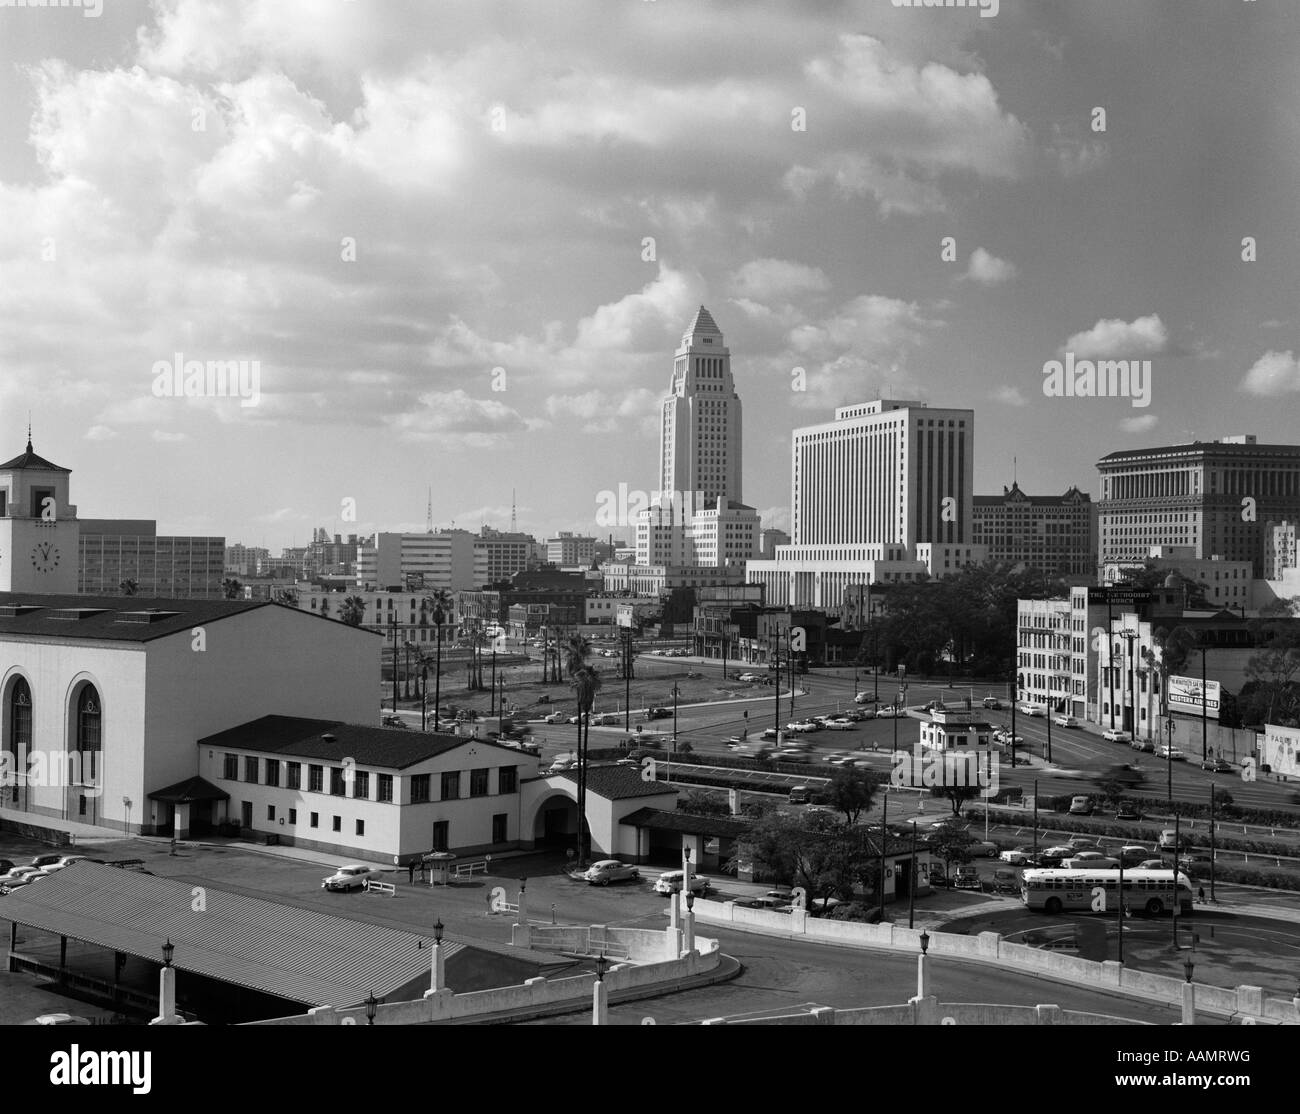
(658, 713)
(1115, 735)
(1053, 857)
(605, 871)
(1155, 864)
(1082, 843)
(992, 702)
(393, 721)
(888, 711)
(967, 878)
(749, 677)
(59, 1019)
(865, 698)
(607, 719)
(67, 860)
(793, 756)
(1128, 810)
(1081, 806)
(840, 725)
(983, 849)
(1023, 856)
(42, 861)
(1170, 842)
(1145, 746)
(19, 876)
(1065, 721)
(1090, 860)
(1171, 753)
(1133, 854)
(555, 717)
(858, 715)
(573, 719)
(769, 733)
(670, 882)
(1217, 765)
(6, 865)
(354, 876)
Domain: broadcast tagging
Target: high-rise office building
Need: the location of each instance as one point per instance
(1055, 534)
(699, 518)
(1215, 497)
(881, 493)
(115, 550)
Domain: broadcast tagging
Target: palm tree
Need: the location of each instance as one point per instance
(439, 603)
(586, 681)
(231, 589)
(353, 610)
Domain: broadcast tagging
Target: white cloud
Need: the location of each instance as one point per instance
(766, 280)
(1115, 339)
(1273, 374)
(1009, 396)
(1138, 425)
(456, 416)
(168, 436)
(100, 433)
(989, 270)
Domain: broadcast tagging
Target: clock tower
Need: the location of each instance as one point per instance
(39, 533)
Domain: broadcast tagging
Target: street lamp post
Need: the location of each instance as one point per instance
(674, 717)
(1129, 636)
(911, 900)
(372, 1007)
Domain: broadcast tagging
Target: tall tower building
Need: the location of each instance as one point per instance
(700, 449)
(882, 493)
(39, 531)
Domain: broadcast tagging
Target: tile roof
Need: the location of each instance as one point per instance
(619, 783)
(298, 954)
(111, 618)
(30, 460)
(191, 789)
(393, 748)
(662, 821)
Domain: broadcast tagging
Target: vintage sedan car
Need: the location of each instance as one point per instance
(992, 702)
(670, 882)
(840, 725)
(1065, 721)
(1021, 856)
(605, 871)
(555, 717)
(1217, 765)
(983, 849)
(18, 877)
(749, 677)
(354, 876)
(1171, 753)
(865, 698)
(1115, 735)
(67, 860)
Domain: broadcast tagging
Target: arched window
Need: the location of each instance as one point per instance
(20, 728)
(88, 731)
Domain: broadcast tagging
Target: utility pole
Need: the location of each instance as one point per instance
(884, 834)
(1205, 723)
(911, 890)
(1212, 842)
(392, 626)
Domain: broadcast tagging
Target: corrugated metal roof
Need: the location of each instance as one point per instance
(314, 958)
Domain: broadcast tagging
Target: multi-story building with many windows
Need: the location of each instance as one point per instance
(881, 493)
(422, 562)
(1055, 534)
(1214, 497)
(114, 550)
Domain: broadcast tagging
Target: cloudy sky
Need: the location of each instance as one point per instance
(462, 240)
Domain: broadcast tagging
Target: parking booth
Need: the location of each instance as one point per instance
(438, 864)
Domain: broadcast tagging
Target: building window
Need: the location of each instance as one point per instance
(89, 733)
(499, 827)
(315, 778)
(508, 779)
(338, 823)
(272, 772)
(336, 781)
(250, 769)
(478, 783)
(361, 785)
(451, 786)
(293, 775)
(270, 812)
(315, 819)
(361, 827)
(441, 835)
(293, 816)
(384, 788)
(419, 788)
(232, 767)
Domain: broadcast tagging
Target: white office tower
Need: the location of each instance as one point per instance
(881, 494)
(698, 517)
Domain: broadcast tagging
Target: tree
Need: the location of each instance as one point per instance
(129, 587)
(353, 610)
(955, 795)
(231, 589)
(698, 802)
(815, 851)
(287, 596)
(952, 845)
(851, 792)
(586, 682)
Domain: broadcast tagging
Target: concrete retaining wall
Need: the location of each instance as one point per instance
(989, 947)
(530, 997)
(930, 1011)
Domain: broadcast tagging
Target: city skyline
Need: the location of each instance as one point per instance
(373, 221)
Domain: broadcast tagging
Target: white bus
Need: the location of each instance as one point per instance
(1148, 891)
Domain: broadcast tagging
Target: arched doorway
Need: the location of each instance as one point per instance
(556, 822)
(18, 743)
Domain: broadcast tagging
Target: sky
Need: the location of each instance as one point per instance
(455, 244)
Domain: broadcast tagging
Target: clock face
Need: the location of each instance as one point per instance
(45, 556)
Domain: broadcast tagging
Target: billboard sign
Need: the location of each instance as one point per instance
(1118, 595)
(1185, 696)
